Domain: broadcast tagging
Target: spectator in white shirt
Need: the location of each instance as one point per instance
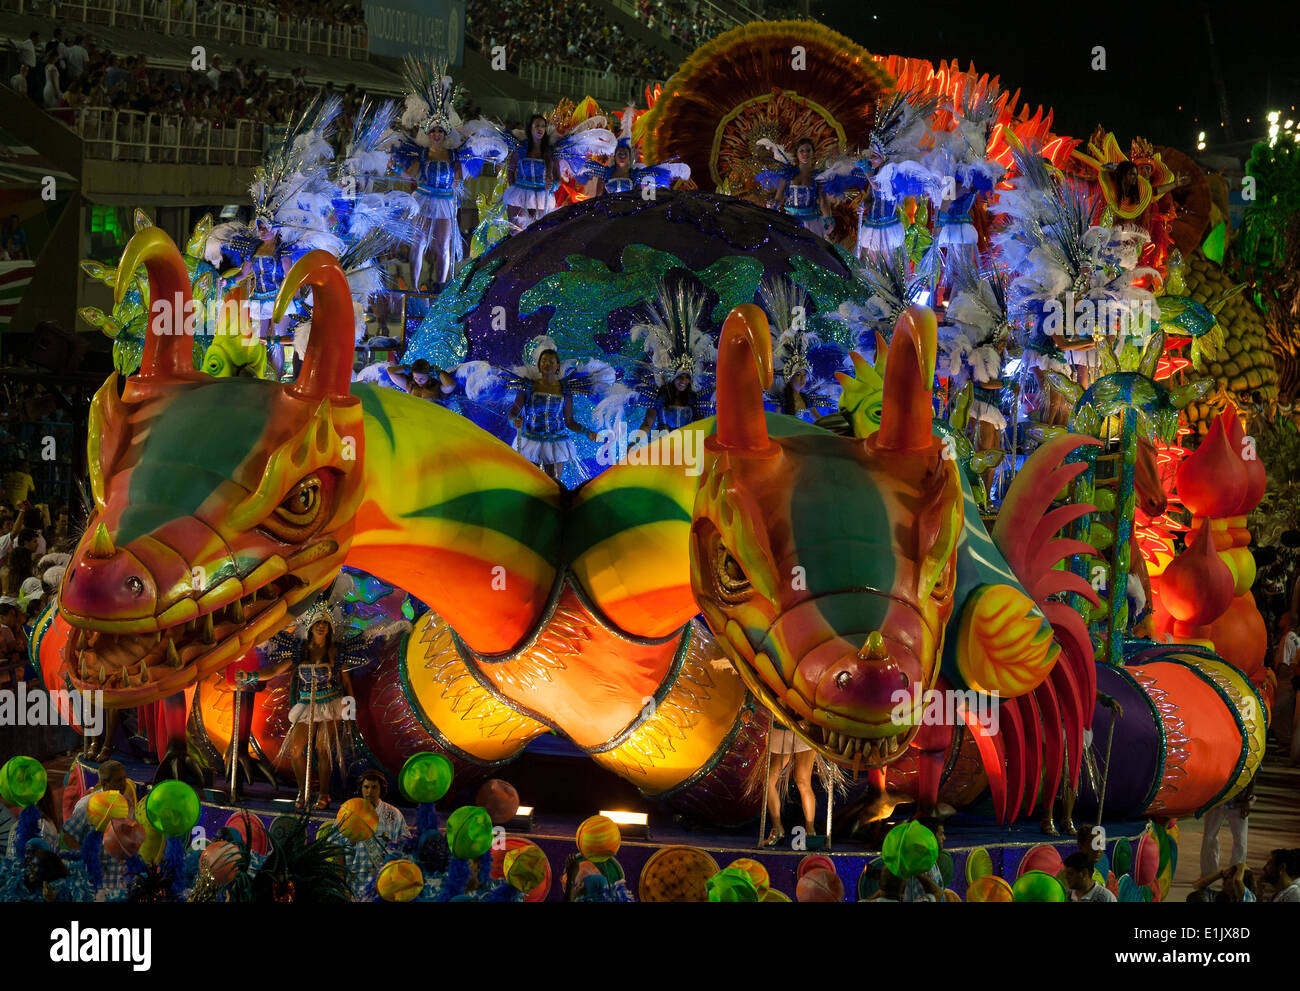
(18, 83)
(1281, 872)
(1235, 814)
(214, 74)
(77, 57)
(27, 49)
(25, 532)
(392, 824)
(1082, 885)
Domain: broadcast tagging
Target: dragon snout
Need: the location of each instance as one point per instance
(862, 684)
(109, 582)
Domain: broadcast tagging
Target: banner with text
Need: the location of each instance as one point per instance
(421, 28)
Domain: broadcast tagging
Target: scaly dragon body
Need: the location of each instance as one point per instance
(834, 571)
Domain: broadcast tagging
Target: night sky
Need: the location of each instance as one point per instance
(1154, 64)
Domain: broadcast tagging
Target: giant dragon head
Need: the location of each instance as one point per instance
(826, 564)
(221, 504)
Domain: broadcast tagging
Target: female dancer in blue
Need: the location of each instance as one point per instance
(543, 413)
(625, 173)
(797, 190)
(438, 167)
(533, 177)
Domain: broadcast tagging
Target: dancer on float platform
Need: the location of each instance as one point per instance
(625, 173)
(543, 411)
(895, 171)
(318, 692)
(800, 394)
(439, 164)
(681, 357)
(537, 158)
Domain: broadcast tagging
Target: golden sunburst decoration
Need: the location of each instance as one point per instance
(795, 78)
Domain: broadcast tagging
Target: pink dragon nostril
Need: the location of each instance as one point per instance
(135, 586)
(842, 679)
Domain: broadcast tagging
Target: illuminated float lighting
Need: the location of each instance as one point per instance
(522, 820)
(633, 824)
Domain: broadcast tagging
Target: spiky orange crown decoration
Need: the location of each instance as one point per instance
(721, 100)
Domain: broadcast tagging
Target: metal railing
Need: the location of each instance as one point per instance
(234, 23)
(577, 81)
(135, 136)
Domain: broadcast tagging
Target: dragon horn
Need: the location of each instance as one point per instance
(168, 346)
(744, 370)
(906, 413)
(327, 365)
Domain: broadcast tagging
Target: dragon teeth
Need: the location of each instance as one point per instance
(173, 658)
(206, 632)
(237, 610)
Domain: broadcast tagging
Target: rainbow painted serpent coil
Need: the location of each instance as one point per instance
(836, 571)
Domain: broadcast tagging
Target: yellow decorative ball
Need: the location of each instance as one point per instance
(677, 874)
(599, 839)
(399, 881)
(772, 895)
(357, 820)
(525, 868)
(757, 873)
(104, 807)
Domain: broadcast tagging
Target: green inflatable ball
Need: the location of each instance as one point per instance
(425, 777)
(1037, 886)
(732, 885)
(22, 781)
(469, 832)
(172, 808)
(909, 849)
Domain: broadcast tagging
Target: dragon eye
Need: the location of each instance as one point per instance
(302, 502)
(299, 512)
(730, 581)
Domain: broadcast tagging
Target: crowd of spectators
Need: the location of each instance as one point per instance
(573, 34)
(688, 22)
(83, 75)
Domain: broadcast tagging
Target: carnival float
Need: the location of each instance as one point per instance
(924, 401)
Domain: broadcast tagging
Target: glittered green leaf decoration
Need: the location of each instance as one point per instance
(735, 278)
(981, 461)
(961, 405)
(1215, 243)
(1066, 386)
(826, 289)
(583, 297)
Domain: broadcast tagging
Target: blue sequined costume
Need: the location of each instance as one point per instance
(954, 221)
(321, 683)
(544, 437)
(530, 190)
(267, 275)
(881, 230)
(672, 417)
(801, 204)
(437, 190)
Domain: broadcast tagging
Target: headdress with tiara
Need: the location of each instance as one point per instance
(292, 192)
(538, 346)
(324, 609)
(781, 298)
(675, 332)
(430, 99)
